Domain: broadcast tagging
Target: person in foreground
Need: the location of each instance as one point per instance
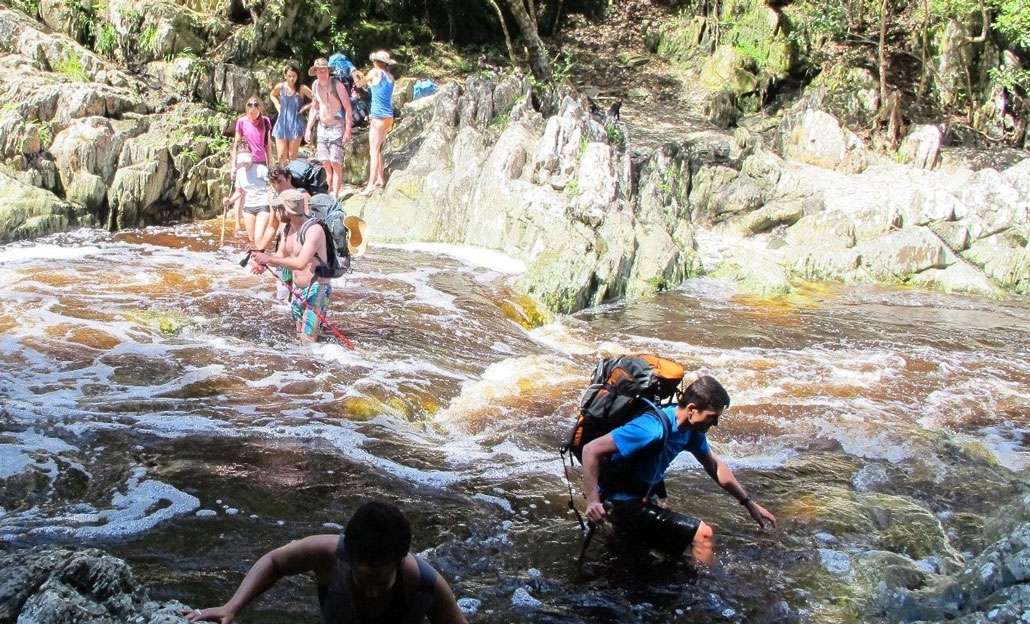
(623, 473)
(303, 253)
(365, 575)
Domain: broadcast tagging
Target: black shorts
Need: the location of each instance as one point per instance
(652, 526)
(254, 210)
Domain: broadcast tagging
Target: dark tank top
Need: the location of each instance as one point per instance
(337, 602)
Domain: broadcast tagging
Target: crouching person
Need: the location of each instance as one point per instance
(364, 575)
(624, 471)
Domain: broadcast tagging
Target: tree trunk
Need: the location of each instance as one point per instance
(507, 36)
(881, 51)
(538, 61)
(924, 51)
(557, 18)
(531, 9)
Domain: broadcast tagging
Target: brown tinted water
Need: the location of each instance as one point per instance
(156, 404)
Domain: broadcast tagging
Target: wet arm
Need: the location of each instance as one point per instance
(721, 474)
(593, 453)
(311, 553)
(444, 608)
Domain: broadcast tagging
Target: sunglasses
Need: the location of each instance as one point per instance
(253, 104)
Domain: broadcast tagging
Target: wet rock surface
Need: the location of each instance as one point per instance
(59, 586)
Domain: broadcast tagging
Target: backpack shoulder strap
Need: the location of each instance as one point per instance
(659, 414)
(332, 88)
(426, 589)
(304, 228)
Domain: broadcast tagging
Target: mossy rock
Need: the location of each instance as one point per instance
(29, 212)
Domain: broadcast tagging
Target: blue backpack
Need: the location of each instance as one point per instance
(423, 88)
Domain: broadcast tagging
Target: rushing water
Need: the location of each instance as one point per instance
(156, 404)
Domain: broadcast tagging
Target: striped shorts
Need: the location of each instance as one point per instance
(317, 296)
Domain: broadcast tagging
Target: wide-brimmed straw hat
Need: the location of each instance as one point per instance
(357, 241)
(382, 56)
(320, 63)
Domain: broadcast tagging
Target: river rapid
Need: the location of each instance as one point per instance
(156, 404)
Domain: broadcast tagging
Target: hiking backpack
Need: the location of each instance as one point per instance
(308, 176)
(340, 68)
(621, 389)
(326, 211)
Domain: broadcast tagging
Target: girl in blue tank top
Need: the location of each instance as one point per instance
(380, 80)
(288, 97)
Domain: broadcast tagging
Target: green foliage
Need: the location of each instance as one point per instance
(572, 188)
(71, 66)
(563, 65)
(45, 131)
(148, 38)
(1012, 79)
(105, 40)
(1013, 22)
(27, 6)
(219, 144)
(659, 284)
(502, 120)
(615, 134)
(583, 143)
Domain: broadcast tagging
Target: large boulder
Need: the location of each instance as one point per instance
(921, 146)
(815, 137)
(896, 256)
(28, 212)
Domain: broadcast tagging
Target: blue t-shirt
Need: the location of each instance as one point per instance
(644, 430)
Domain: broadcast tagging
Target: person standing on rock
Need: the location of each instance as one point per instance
(288, 98)
(256, 129)
(303, 253)
(331, 110)
(633, 460)
(380, 80)
(365, 575)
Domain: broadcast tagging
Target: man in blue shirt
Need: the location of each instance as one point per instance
(626, 468)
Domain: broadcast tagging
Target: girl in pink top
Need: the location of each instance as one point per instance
(256, 128)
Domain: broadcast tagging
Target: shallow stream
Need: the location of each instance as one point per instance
(156, 404)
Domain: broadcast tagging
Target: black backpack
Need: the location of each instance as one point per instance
(308, 176)
(328, 212)
(621, 389)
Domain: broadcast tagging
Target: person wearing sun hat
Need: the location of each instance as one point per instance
(302, 251)
(380, 80)
(331, 110)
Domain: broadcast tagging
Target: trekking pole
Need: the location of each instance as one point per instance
(225, 212)
(586, 542)
(307, 305)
